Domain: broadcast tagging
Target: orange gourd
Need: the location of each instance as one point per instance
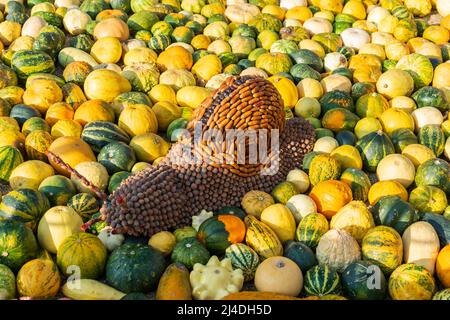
(443, 266)
(330, 196)
(174, 284)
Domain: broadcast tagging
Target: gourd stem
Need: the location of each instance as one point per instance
(56, 159)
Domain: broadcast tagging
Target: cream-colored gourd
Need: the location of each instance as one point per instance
(421, 245)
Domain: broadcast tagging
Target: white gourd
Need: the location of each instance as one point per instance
(334, 60)
(317, 25)
(426, 115)
(301, 205)
(421, 245)
(75, 21)
(337, 249)
(355, 38)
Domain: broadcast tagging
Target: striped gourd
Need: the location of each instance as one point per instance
(442, 295)
(84, 250)
(38, 278)
(401, 12)
(47, 76)
(243, 257)
(358, 181)
(321, 280)
(36, 145)
(383, 246)
(58, 189)
(142, 5)
(84, 204)
(374, 147)
(7, 283)
(348, 52)
(27, 62)
(73, 95)
(311, 228)
(262, 239)
(24, 205)
(228, 58)
(322, 168)
(50, 17)
(10, 158)
(99, 133)
(401, 138)
(411, 282)
(159, 42)
(432, 136)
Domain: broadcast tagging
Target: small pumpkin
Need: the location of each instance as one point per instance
(254, 202)
(330, 196)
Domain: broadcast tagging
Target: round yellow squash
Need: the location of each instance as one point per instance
(138, 119)
(175, 57)
(411, 282)
(394, 83)
(396, 167)
(30, 174)
(94, 172)
(367, 125)
(94, 110)
(287, 90)
(192, 96)
(66, 128)
(163, 242)
(206, 67)
(149, 146)
(72, 151)
(139, 55)
(59, 111)
(393, 119)
(441, 78)
(162, 92)
(57, 224)
(280, 219)
(348, 157)
(107, 50)
(166, 112)
(418, 153)
(42, 93)
(105, 84)
(386, 188)
(406, 104)
(309, 88)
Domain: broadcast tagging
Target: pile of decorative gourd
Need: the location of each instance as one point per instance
(108, 85)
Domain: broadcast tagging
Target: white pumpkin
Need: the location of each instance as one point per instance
(299, 178)
(67, 3)
(426, 115)
(289, 4)
(334, 60)
(447, 148)
(75, 21)
(398, 168)
(110, 240)
(301, 205)
(376, 14)
(337, 249)
(33, 26)
(421, 245)
(241, 13)
(326, 144)
(443, 7)
(253, 71)
(355, 38)
(317, 25)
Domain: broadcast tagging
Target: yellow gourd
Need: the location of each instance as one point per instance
(280, 219)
